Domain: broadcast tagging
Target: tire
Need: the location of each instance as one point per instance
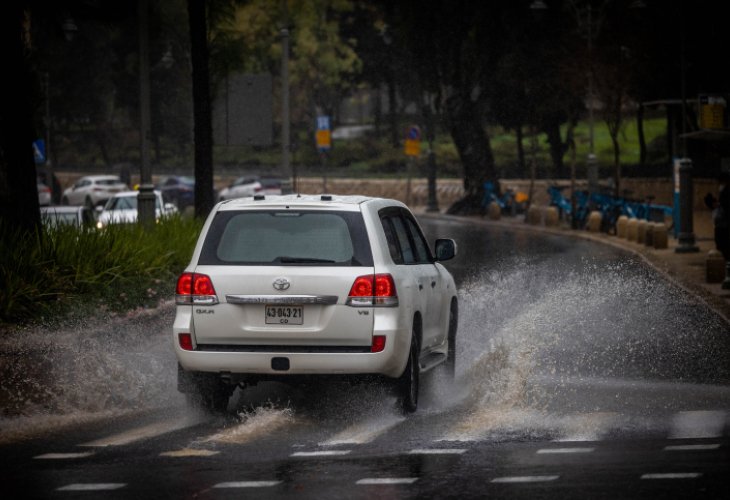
(204, 390)
(89, 203)
(408, 383)
(64, 200)
(450, 365)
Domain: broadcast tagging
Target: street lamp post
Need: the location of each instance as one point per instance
(285, 131)
(146, 195)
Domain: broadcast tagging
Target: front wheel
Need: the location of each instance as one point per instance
(408, 383)
(450, 364)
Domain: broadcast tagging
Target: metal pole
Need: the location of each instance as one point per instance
(592, 163)
(47, 78)
(686, 238)
(432, 205)
(146, 196)
(285, 140)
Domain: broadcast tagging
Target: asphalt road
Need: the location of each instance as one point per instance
(581, 374)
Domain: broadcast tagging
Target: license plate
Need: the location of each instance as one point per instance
(284, 315)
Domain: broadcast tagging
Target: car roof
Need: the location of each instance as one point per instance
(126, 194)
(101, 177)
(338, 202)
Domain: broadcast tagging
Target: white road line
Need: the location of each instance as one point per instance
(524, 479)
(558, 451)
(324, 453)
(364, 432)
(698, 424)
(438, 451)
(247, 484)
(146, 432)
(672, 475)
(92, 487)
(386, 480)
(188, 452)
(692, 447)
(63, 456)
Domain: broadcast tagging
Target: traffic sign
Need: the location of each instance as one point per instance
(323, 134)
(39, 151)
(413, 141)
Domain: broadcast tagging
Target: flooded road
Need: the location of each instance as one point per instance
(580, 372)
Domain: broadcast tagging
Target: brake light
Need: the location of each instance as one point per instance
(45, 189)
(186, 341)
(194, 288)
(378, 343)
(373, 290)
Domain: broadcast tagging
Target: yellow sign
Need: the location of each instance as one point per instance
(324, 139)
(413, 147)
(712, 112)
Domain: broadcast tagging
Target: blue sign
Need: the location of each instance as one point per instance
(39, 151)
(323, 122)
(414, 133)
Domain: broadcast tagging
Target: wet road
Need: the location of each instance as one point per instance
(581, 374)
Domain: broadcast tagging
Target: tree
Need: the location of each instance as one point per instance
(18, 192)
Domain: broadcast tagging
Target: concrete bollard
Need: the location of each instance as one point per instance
(594, 221)
(641, 232)
(649, 235)
(660, 236)
(632, 228)
(715, 267)
(534, 215)
(493, 211)
(552, 216)
(621, 226)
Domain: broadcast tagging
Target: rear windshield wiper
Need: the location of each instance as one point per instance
(302, 260)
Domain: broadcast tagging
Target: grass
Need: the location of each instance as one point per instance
(118, 269)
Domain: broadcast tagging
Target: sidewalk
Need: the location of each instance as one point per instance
(687, 270)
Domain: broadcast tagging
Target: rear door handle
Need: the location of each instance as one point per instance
(433, 284)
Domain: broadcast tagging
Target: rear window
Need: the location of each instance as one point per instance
(287, 238)
(108, 182)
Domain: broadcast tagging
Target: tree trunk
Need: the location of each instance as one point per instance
(18, 191)
(520, 151)
(640, 131)
(557, 148)
(475, 150)
(202, 114)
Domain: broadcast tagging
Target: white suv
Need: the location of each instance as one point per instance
(285, 287)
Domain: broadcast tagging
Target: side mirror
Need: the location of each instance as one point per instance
(445, 249)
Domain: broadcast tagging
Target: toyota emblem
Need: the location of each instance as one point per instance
(281, 284)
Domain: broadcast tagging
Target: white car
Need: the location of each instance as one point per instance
(93, 190)
(240, 188)
(44, 194)
(122, 208)
(284, 287)
(77, 216)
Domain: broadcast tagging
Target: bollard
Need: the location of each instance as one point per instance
(594, 221)
(621, 226)
(660, 236)
(715, 267)
(552, 216)
(649, 235)
(534, 215)
(632, 228)
(641, 232)
(494, 211)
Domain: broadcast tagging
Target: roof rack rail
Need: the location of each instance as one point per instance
(259, 197)
(326, 197)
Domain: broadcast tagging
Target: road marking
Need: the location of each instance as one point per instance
(188, 452)
(324, 453)
(386, 480)
(557, 451)
(146, 432)
(672, 475)
(692, 447)
(364, 432)
(524, 479)
(63, 456)
(92, 487)
(437, 451)
(698, 424)
(247, 484)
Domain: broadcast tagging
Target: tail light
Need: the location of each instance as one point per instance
(378, 343)
(45, 189)
(186, 341)
(197, 289)
(373, 290)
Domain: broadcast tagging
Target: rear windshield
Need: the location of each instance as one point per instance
(287, 238)
(108, 182)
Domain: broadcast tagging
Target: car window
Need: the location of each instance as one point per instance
(287, 238)
(423, 255)
(108, 182)
(401, 234)
(123, 203)
(392, 240)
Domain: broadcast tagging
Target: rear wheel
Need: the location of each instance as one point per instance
(408, 383)
(204, 390)
(64, 200)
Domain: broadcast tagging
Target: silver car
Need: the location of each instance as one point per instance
(122, 208)
(286, 287)
(93, 190)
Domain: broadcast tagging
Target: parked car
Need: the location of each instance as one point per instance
(294, 286)
(44, 194)
(93, 190)
(178, 189)
(122, 208)
(251, 185)
(72, 215)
